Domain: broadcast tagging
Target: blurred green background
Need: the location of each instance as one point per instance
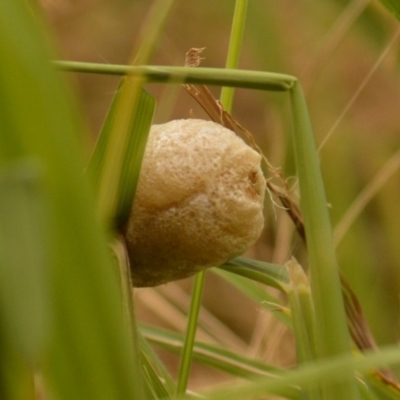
(345, 54)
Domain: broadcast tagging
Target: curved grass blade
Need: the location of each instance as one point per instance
(273, 275)
(138, 127)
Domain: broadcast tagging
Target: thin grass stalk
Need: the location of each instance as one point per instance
(177, 75)
(236, 38)
(187, 351)
(332, 337)
(233, 56)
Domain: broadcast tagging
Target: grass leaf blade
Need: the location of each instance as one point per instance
(331, 335)
(138, 127)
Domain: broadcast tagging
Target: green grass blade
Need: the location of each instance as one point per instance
(16, 376)
(331, 371)
(381, 390)
(178, 75)
(302, 311)
(255, 292)
(393, 6)
(187, 351)
(115, 154)
(23, 295)
(273, 275)
(232, 61)
(331, 334)
(303, 319)
(138, 130)
(225, 360)
(24, 224)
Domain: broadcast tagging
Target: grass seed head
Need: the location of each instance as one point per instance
(199, 201)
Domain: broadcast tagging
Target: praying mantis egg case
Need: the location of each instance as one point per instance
(198, 204)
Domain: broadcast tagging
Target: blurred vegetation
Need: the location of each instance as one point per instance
(345, 54)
